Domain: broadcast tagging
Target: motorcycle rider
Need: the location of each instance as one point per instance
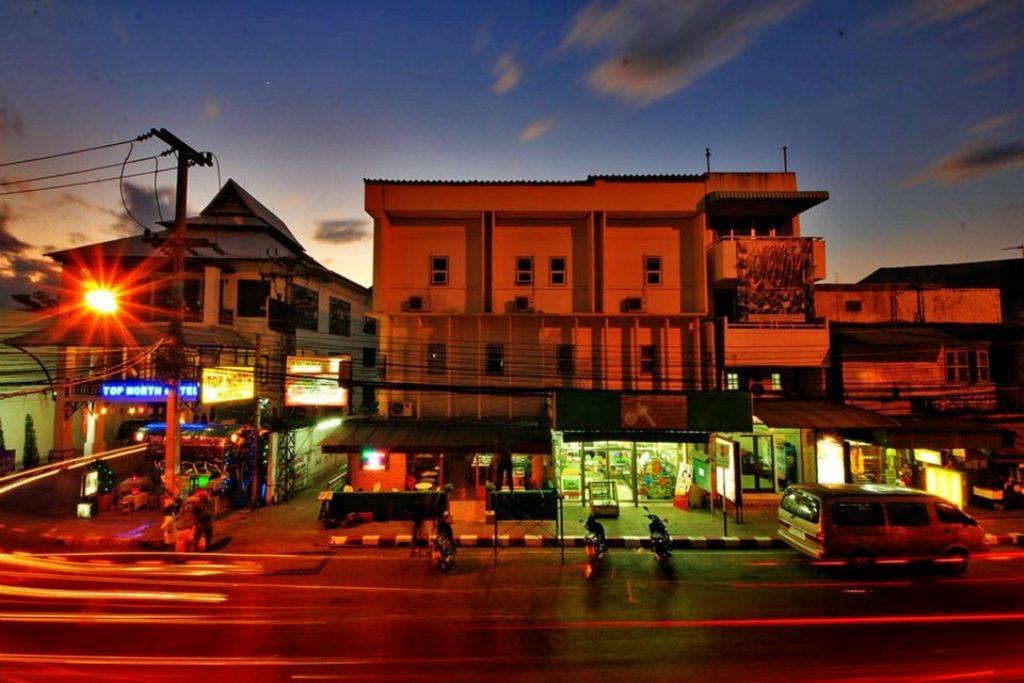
(597, 529)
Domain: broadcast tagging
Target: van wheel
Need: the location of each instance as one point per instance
(955, 561)
(861, 560)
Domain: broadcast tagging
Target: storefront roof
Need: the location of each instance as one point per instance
(818, 415)
(137, 336)
(764, 202)
(946, 432)
(436, 436)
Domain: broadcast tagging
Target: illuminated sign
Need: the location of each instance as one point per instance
(91, 484)
(145, 390)
(373, 460)
(725, 462)
(653, 411)
(948, 484)
(221, 385)
(831, 469)
(315, 380)
(928, 456)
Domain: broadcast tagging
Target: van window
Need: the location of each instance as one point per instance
(907, 514)
(857, 514)
(801, 504)
(949, 514)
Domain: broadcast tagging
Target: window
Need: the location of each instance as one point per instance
(649, 360)
(801, 504)
(907, 514)
(495, 359)
(524, 270)
(732, 381)
(958, 366)
(438, 270)
(857, 514)
(564, 358)
(340, 321)
(981, 373)
(244, 358)
(369, 357)
(556, 271)
(949, 514)
(652, 270)
(307, 308)
(252, 299)
(437, 359)
(369, 325)
(853, 305)
(775, 381)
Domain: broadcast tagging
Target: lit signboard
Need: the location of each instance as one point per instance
(831, 466)
(222, 385)
(91, 484)
(725, 461)
(136, 390)
(373, 460)
(314, 380)
(948, 484)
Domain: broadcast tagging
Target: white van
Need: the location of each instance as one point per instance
(861, 523)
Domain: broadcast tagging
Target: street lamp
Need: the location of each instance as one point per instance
(101, 300)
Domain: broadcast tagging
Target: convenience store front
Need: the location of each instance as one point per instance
(646, 444)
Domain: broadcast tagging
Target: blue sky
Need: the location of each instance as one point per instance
(911, 114)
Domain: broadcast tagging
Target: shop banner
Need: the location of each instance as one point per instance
(655, 411)
(776, 277)
(316, 380)
(701, 411)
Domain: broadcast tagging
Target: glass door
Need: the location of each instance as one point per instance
(757, 462)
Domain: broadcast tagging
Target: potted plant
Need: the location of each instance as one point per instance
(31, 456)
(6, 456)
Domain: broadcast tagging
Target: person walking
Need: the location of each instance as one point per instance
(502, 464)
(204, 523)
(169, 527)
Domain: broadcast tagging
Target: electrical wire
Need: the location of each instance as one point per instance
(84, 182)
(219, 185)
(70, 173)
(138, 138)
(120, 188)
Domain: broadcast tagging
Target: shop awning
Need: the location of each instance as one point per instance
(825, 415)
(133, 336)
(763, 202)
(944, 433)
(428, 436)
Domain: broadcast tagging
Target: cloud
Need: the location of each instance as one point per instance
(211, 108)
(995, 122)
(921, 14)
(78, 237)
(655, 48)
(973, 161)
(508, 73)
(10, 123)
(537, 129)
(142, 203)
(9, 244)
(483, 36)
(342, 230)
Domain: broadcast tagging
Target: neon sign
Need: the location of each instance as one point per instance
(145, 390)
(221, 385)
(318, 383)
(373, 460)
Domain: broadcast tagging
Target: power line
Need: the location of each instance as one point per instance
(84, 182)
(68, 173)
(139, 138)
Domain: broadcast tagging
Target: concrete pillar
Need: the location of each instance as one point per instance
(211, 295)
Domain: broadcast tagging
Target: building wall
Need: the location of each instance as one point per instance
(901, 304)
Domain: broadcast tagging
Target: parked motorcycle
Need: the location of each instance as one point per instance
(442, 545)
(595, 545)
(661, 540)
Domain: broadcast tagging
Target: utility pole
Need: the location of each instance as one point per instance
(176, 246)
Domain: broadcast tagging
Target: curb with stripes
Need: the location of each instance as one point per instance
(1009, 538)
(537, 541)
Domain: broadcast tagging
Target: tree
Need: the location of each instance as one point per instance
(30, 458)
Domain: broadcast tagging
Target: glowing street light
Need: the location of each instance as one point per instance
(101, 300)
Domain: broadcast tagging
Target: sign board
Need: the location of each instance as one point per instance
(145, 390)
(315, 380)
(90, 484)
(225, 384)
(602, 411)
(725, 461)
(653, 411)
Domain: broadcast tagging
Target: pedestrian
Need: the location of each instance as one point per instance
(204, 523)
(169, 527)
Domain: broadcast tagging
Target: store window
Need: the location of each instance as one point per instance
(437, 359)
(958, 367)
(438, 270)
(494, 360)
(757, 464)
(652, 270)
(524, 270)
(556, 271)
(775, 381)
(656, 465)
(564, 360)
(732, 381)
(649, 360)
(340, 320)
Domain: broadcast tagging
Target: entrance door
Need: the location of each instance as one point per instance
(758, 462)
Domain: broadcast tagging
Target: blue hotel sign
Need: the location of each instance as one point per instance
(145, 390)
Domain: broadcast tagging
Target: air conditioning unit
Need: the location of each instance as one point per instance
(401, 409)
(523, 304)
(634, 304)
(417, 303)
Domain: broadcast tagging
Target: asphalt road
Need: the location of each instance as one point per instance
(381, 615)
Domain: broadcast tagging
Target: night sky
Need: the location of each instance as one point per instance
(911, 115)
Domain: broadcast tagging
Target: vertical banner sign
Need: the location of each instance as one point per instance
(316, 381)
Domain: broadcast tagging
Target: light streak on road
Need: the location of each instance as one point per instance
(149, 619)
(192, 568)
(77, 594)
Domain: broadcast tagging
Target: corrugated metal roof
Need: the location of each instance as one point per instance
(589, 180)
(818, 415)
(808, 195)
(900, 336)
(946, 432)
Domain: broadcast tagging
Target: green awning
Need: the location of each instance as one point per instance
(686, 413)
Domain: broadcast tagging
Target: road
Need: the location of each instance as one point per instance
(381, 615)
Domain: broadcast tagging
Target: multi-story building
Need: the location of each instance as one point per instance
(253, 297)
(495, 296)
